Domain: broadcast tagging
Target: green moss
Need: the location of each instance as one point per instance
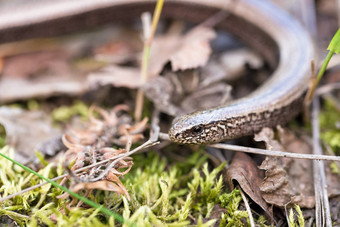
(234, 216)
(15, 179)
(162, 194)
(65, 113)
(335, 168)
(166, 194)
(2, 136)
(300, 219)
(33, 105)
(330, 134)
(262, 222)
(30, 104)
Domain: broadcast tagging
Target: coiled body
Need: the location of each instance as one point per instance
(274, 103)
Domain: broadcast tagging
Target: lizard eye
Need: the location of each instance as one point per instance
(197, 130)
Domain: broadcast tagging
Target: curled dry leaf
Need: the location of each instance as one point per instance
(287, 181)
(94, 144)
(244, 171)
(187, 51)
(134, 129)
(195, 49)
(114, 178)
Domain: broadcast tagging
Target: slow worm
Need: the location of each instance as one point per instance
(267, 29)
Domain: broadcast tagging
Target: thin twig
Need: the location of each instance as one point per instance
(322, 210)
(282, 154)
(287, 216)
(274, 153)
(251, 219)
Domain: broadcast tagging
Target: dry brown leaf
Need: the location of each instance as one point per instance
(27, 131)
(244, 171)
(187, 51)
(287, 181)
(112, 177)
(194, 51)
(139, 127)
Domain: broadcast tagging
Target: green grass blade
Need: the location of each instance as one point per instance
(334, 45)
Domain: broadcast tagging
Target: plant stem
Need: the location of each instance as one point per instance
(146, 57)
(324, 66)
(311, 90)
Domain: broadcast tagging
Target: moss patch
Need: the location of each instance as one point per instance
(162, 194)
